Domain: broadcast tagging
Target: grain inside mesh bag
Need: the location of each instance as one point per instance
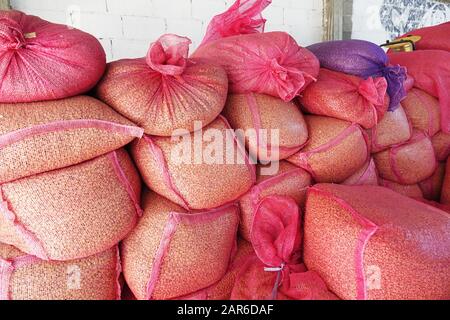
(371, 243)
(274, 129)
(394, 128)
(43, 136)
(432, 187)
(73, 212)
(269, 63)
(407, 163)
(445, 197)
(40, 60)
(366, 175)
(173, 253)
(288, 180)
(408, 190)
(347, 97)
(441, 145)
(166, 90)
(275, 271)
(202, 170)
(431, 72)
(25, 277)
(363, 59)
(222, 289)
(423, 111)
(335, 151)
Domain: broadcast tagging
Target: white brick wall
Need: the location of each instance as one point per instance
(127, 27)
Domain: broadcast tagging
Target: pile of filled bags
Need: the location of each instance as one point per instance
(116, 180)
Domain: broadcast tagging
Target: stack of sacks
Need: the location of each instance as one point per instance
(68, 192)
(427, 106)
(266, 72)
(369, 242)
(353, 92)
(190, 216)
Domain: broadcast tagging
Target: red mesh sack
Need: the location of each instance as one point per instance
(407, 163)
(370, 243)
(394, 128)
(441, 145)
(40, 60)
(73, 212)
(335, 151)
(440, 206)
(25, 277)
(367, 175)
(434, 37)
(166, 90)
(43, 136)
(431, 72)
(275, 271)
(191, 182)
(431, 187)
(222, 289)
(172, 253)
(270, 63)
(410, 190)
(445, 197)
(347, 97)
(423, 111)
(289, 181)
(263, 113)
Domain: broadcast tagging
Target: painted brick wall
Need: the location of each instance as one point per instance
(127, 27)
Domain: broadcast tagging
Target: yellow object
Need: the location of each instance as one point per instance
(405, 44)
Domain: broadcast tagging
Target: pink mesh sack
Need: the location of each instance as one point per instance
(25, 277)
(431, 187)
(73, 212)
(270, 63)
(172, 253)
(347, 97)
(40, 60)
(441, 145)
(289, 181)
(335, 151)
(370, 243)
(196, 178)
(423, 111)
(445, 197)
(367, 175)
(407, 163)
(410, 190)
(394, 128)
(434, 37)
(431, 72)
(222, 289)
(166, 90)
(43, 136)
(275, 271)
(440, 206)
(262, 114)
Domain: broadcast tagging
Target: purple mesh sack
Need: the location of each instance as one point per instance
(363, 59)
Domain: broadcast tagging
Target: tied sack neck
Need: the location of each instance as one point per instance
(276, 238)
(374, 91)
(395, 77)
(169, 55)
(243, 17)
(12, 36)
